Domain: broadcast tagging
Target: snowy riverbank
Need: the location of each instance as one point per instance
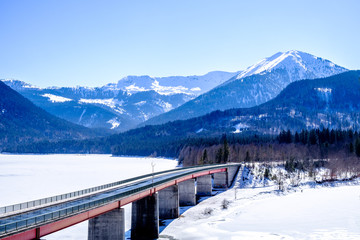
(253, 209)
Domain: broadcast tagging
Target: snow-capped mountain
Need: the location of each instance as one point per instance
(135, 99)
(16, 84)
(299, 65)
(255, 85)
(123, 105)
(331, 102)
(191, 85)
(100, 107)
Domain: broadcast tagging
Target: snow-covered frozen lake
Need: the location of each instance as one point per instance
(30, 177)
(256, 213)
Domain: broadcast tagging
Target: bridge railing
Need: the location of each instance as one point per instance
(61, 197)
(59, 214)
(43, 201)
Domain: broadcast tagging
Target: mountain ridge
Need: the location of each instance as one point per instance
(21, 121)
(331, 102)
(118, 106)
(142, 100)
(255, 85)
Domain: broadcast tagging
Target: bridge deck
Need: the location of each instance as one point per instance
(34, 223)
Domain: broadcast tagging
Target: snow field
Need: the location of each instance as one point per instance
(29, 177)
(258, 210)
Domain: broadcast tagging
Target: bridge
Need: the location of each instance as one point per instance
(153, 196)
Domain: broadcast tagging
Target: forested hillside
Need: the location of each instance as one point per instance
(326, 103)
(23, 122)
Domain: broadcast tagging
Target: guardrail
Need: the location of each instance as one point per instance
(60, 214)
(53, 199)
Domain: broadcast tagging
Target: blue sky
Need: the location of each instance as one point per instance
(82, 42)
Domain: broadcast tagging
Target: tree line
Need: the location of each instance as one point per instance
(287, 146)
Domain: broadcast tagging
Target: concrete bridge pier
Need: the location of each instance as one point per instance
(169, 202)
(187, 195)
(204, 185)
(232, 172)
(221, 180)
(145, 218)
(108, 226)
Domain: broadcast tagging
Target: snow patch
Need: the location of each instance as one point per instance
(168, 90)
(82, 114)
(200, 130)
(240, 127)
(165, 105)
(263, 115)
(110, 102)
(140, 103)
(54, 98)
(134, 89)
(324, 93)
(114, 122)
(324, 90)
(195, 89)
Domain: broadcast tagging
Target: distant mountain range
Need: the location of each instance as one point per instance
(256, 85)
(119, 106)
(21, 122)
(142, 100)
(331, 102)
(191, 85)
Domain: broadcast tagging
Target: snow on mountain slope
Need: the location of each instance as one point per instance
(54, 98)
(163, 95)
(120, 106)
(257, 84)
(299, 65)
(192, 85)
(101, 107)
(111, 102)
(16, 84)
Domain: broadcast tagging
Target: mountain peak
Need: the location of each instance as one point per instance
(17, 84)
(302, 64)
(171, 85)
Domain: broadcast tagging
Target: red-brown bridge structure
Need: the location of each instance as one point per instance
(153, 196)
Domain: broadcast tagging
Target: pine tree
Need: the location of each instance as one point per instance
(351, 148)
(288, 137)
(204, 157)
(332, 137)
(313, 138)
(247, 157)
(267, 173)
(226, 151)
(297, 137)
(219, 156)
(357, 147)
